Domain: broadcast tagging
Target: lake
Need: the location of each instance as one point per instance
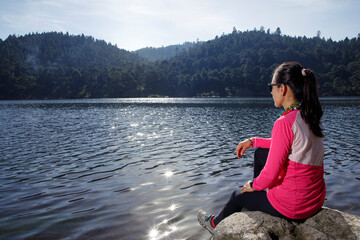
(141, 168)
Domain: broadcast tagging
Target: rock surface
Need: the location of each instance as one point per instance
(326, 224)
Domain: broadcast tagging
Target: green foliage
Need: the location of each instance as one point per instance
(57, 65)
(242, 63)
(163, 53)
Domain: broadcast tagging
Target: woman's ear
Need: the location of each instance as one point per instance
(283, 90)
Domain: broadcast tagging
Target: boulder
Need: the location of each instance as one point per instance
(326, 224)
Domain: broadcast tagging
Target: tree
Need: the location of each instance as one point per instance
(278, 31)
(318, 34)
(56, 65)
(234, 30)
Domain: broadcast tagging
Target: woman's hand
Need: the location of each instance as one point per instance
(247, 188)
(242, 147)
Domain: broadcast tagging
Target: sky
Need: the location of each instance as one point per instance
(135, 24)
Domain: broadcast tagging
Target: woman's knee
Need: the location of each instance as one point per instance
(236, 197)
(235, 193)
(260, 157)
(261, 153)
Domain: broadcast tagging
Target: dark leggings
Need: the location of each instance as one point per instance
(252, 201)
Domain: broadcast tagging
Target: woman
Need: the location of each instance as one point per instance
(288, 167)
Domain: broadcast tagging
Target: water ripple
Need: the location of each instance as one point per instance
(140, 168)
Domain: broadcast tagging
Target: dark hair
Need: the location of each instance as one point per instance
(303, 83)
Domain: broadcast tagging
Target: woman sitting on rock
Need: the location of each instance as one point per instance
(288, 167)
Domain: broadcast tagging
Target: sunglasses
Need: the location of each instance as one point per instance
(270, 85)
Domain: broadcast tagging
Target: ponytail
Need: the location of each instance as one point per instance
(303, 83)
(311, 110)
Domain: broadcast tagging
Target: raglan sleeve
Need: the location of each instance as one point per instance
(261, 142)
(280, 145)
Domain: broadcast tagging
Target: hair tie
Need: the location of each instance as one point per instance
(303, 72)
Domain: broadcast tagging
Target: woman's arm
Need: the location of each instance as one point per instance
(242, 147)
(262, 142)
(281, 141)
(252, 142)
(247, 187)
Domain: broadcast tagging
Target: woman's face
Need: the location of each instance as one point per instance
(277, 93)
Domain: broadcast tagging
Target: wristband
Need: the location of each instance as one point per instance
(251, 141)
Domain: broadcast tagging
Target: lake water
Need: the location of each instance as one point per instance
(141, 168)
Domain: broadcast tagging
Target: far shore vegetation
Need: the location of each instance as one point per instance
(57, 65)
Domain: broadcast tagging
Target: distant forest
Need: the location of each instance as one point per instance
(163, 53)
(60, 66)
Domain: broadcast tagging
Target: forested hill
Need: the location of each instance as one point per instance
(58, 49)
(242, 63)
(57, 65)
(164, 53)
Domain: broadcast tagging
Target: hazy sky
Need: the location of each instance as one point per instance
(134, 24)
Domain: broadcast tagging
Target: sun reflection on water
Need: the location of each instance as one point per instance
(134, 125)
(173, 207)
(166, 229)
(168, 174)
(153, 234)
(162, 231)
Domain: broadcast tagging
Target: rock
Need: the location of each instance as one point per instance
(333, 223)
(326, 224)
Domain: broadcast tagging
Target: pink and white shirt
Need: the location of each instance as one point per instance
(293, 173)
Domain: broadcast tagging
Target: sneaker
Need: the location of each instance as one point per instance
(204, 219)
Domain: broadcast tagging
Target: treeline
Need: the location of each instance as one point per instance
(242, 63)
(57, 65)
(163, 53)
